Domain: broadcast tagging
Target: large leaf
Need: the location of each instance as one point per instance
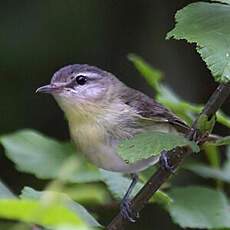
(145, 145)
(208, 25)
(199, 207)
(29, 193)
(31, 211)
(5, 192)
(35, 153)
(206, 171)
(118, 186)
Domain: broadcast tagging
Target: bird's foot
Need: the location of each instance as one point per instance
(127, 212)
(164, 163)
(199, 138)
(202, 138)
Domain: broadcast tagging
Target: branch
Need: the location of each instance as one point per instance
(175, 157)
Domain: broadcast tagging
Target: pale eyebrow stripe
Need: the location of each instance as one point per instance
(89, 74)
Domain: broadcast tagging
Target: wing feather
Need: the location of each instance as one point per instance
(149, 109)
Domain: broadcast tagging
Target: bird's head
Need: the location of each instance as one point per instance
(82, 87)
(81, 82)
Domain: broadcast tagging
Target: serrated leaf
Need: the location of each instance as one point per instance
(145, 145)
(199, 207)
(47, 158)
(31, 211)
(79, 210)
(208, 25)
(5, 192)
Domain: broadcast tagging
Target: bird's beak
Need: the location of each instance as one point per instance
(48, 89)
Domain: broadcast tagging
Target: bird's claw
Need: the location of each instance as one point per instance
(127, 212)
(199, 138)
(164, 163)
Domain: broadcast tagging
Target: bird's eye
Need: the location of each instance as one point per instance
(81, 80)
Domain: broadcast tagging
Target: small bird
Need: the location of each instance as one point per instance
(101, 111)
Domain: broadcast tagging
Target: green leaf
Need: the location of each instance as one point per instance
(208, 25)
(88, 193)
(47, 158)
(145, 145)
(213, 155)
(161, 198)
(13, 226)
(5, 192)
(223, 119)
(221, 141)
(118, 186)
(208, 172)
(31, 211)
(204, 124)
(167, 97)
(199, 207)
(79, 210)
(151, 75)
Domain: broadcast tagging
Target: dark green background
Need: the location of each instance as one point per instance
(39, 37)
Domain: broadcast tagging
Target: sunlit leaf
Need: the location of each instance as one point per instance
(199, 207)
(208, 25)
(31, 211)
(79, 210)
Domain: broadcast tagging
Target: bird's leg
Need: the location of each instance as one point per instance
(126, 212)
(164, 162)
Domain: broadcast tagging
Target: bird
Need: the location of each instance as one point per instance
(102, 111)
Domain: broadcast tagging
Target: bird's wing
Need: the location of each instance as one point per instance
(149, 109)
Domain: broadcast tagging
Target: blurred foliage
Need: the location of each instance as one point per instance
(72, 179)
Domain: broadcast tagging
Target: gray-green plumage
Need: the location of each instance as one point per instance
(101, 111)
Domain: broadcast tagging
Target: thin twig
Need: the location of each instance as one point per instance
(175, 157)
